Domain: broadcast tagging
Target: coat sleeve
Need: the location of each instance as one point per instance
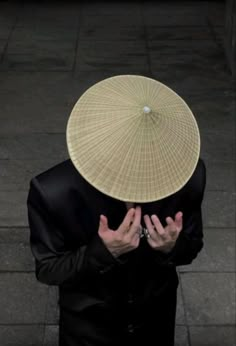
(54, 263)
(190, 240)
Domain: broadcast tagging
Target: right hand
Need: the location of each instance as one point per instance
(126, 237)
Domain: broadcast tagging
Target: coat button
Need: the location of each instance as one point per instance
(130, 328)
(130, 299)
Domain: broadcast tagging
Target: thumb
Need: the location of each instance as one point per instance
(103, 223)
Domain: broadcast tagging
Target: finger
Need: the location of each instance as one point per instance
(128, 219)
(157, 224)
(103, 223)
(150, 228)
(171, 223)
(179, 220)
(136, 222)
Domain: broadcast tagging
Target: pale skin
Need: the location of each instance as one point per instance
(126, 238)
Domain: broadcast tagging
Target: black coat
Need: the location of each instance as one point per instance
(103, 300)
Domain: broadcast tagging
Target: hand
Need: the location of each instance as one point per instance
(161, 238)
(126, 237)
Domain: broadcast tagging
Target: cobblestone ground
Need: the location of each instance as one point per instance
(50, 52)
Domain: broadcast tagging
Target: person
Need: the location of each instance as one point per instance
(109, 225)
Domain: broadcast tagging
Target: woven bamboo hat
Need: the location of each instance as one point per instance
(133, 138)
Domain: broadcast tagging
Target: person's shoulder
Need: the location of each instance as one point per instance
(195, 186)
(199, 175)
(55, 182)
(56, 173)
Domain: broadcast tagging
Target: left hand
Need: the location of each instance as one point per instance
(161, 238)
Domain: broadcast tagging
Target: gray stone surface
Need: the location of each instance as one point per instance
(22, 299)
(13, 211)
(213, 117)
(120, 58)
(93, 32)
(213, 336)
(14, 235)
(180, 313)
(181, 336)
(179, 33)
(189, 13)
(209, 298)
(188, 80)
(217, 254)
(217, 146)
(52, 311)
(16, 257)
(51, 336)
(34, 102)
(16, 174)
(219, 209)
(114, 19)
(22, 335)
(29, 147)
(220, 175)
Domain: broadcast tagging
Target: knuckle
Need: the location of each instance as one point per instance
(128, 239)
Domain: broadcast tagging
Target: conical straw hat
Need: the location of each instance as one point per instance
(133, 138)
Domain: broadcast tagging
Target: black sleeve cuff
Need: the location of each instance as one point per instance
(99, 258)
(170, 259)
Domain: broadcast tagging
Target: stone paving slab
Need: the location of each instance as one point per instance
(46, 60)
(213, 336)
(209, 298)
(181, 336)
(115, 56)
(8, 16)
(217, 254)
(13, 235)
(92, 33)
(218, 209)
(180, 313)
(51, 335)
(15, 175)
(114, 19)
(16, 257)
(186, 56)
(216, 13)
(111, 8)
(41, 102)
(175, 14)
(2, 47)
(194, 80)
(156, 33)
(41, 146)
(52, 309)
(217, 146)
(13, 210)
(217, 117)
(49, 15)
(23, 299)
(32, 34)
(220, 175)
(27, 335)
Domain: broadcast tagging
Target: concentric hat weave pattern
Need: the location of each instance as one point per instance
(133, 138)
